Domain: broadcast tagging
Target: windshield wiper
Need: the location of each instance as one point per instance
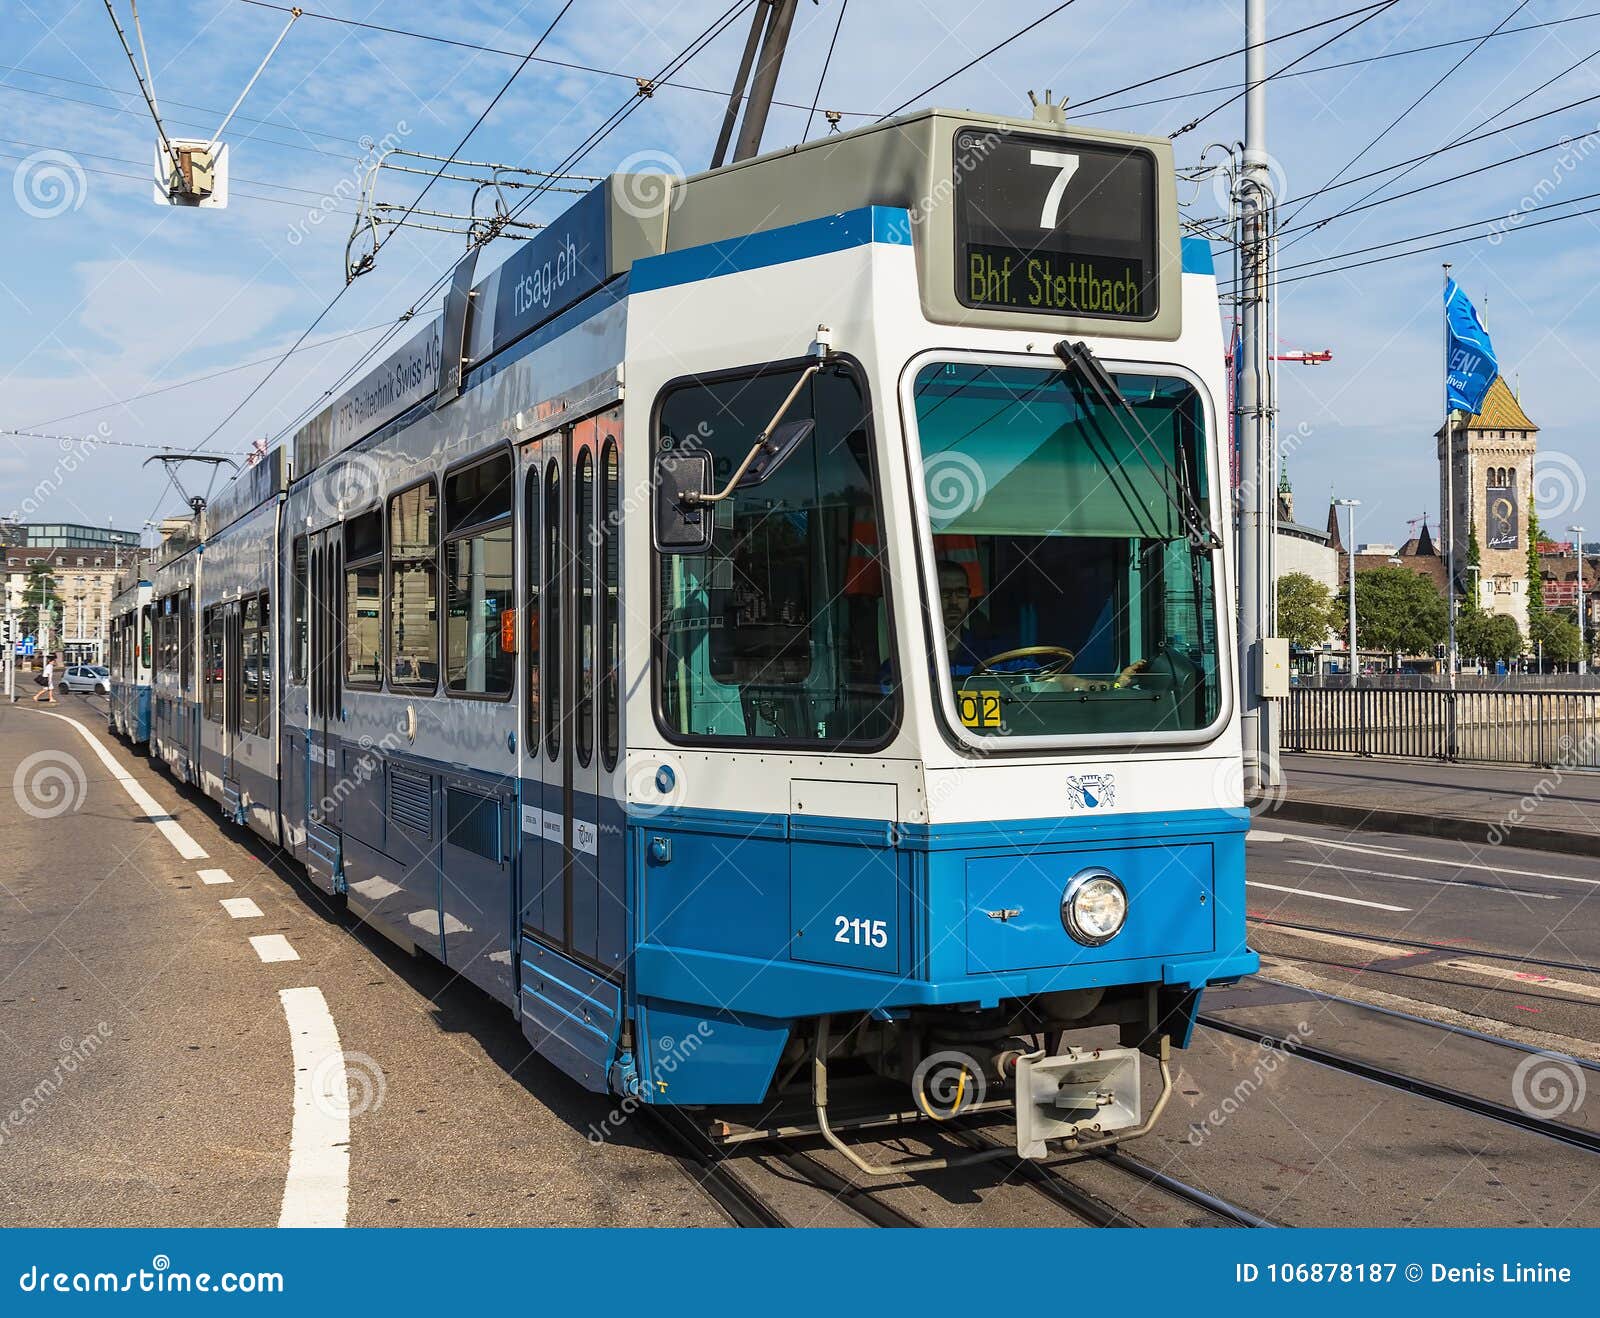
(1083, 365)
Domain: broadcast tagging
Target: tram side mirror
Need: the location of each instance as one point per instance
(779, 448)
(682, 526)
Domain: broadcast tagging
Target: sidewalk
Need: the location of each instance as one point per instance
(1545, 809)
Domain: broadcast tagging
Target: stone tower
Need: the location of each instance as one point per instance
(1493, 455)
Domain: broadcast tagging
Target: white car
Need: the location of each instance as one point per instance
(87, 677)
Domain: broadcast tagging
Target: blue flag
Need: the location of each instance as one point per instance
(1470, 363)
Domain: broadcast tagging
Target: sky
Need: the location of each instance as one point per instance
(144, 327)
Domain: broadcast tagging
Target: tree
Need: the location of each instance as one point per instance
(1304, 609)
(1469, 596)
(1535, 575)
(1399, 611)
(1556, 637)
(40, 597)
(1488, 637)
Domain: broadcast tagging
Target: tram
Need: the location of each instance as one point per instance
(771, 634)
(130, 659)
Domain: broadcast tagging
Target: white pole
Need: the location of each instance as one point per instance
(1450, 499)
(1255, 584)
(1583, 642)
(1355, 659)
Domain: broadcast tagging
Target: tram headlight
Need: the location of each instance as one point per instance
(1094, 906)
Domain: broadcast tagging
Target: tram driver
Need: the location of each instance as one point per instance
(969, 649)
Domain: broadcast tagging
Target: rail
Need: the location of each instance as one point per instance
(1528, 728)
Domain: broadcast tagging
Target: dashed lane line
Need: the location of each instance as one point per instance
(185, 845)
(1328, 897)
(241, 908)
(316, 1192)
(274, 947)
(215, 876)
(1338, 867)
(1392, 853)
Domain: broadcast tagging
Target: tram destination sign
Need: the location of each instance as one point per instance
(1049, 225)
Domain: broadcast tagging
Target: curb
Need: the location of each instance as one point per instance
(1453, 827)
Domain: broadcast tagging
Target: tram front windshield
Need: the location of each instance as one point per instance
(1073, 599)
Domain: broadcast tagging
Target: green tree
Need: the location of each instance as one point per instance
(1398, 611)
(1555, 635)
(1469, 594)
(1535, 577)
(40, 598)
(1304, 608)
(1488, 637)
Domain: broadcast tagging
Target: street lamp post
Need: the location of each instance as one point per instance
(1583, 638)
(1355, 664)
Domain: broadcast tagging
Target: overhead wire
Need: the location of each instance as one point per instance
(823, 76)
(998, 46)
(1399, 118)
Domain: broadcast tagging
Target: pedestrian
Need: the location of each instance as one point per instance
(47, 694)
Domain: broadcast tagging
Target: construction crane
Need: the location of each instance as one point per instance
(1306, 356)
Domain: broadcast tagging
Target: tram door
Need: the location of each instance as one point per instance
(324, 689)
(233, 679)
(572, 881)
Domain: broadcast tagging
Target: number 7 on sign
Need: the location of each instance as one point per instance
(1067, 164)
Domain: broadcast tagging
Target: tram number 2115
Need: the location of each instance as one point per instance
(860, 933)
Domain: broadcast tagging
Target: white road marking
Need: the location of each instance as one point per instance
(241, 908)
(185, 845)
(1526, 977)
(1477, 886)
(215, 876)
(316, 1191)
(1390, 853)
(1328, 897)
(273, 947)
(1359, 944)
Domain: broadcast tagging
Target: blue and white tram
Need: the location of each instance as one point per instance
(775, 628)
(130, 659)
(174, 675)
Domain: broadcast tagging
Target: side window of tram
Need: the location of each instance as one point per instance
(414, 588)
(480, 613)
(363, 600)
(300, 635)
(780, 631)
(211, 691)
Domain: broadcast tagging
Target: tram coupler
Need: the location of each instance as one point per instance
(1084, 1098)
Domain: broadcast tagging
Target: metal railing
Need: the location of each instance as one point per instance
(1529, 728)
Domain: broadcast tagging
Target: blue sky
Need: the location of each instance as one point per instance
(107, 295)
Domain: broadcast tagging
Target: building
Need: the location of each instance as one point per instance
(1558, 568)
(85, 582)
(1301, 548)
(1491, 456)
(76, 535)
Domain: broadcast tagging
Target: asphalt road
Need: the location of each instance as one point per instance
(1496, 910)
(148, 1072)
(155, 1068)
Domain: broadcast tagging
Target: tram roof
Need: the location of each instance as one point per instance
(908, 163)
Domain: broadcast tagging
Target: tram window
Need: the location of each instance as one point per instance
(363, 600)
(583, 529)
(211, 660)
(146, 648)
(530, 605)
(478, 579)
(299, 632)
(414, 588)
(610, 638)
(780, 632)
(363, 621)
(185, 641)
(249, 659)
(1072, 601)
(263, 671)
(553, 582)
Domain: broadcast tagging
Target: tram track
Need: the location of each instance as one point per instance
(1589, 1141)
(1421, 945)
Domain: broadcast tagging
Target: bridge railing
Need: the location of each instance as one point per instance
(1529, 728)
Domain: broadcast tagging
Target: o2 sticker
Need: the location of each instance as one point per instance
(979, 709)
(860, 933)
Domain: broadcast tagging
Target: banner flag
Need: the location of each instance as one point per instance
(1470, 363)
